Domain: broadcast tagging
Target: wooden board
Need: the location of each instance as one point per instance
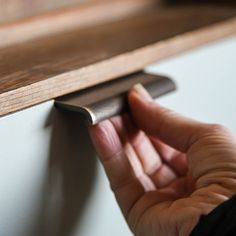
(46, 68)
(11, 10)
(92, 13)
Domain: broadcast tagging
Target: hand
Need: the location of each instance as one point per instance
(165, 170)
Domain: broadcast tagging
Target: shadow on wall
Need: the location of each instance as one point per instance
(71, 175)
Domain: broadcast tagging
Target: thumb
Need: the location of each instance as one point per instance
(175, 130)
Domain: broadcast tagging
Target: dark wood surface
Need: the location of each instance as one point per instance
(43, 69)
(11, 10)
(90, 13)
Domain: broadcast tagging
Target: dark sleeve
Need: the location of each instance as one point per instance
(220, 222)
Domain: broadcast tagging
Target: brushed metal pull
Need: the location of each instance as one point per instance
(109, 99)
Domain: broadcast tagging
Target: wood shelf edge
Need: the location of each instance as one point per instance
(91, 75)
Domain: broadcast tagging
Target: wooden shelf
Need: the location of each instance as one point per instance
(89, 13)
(45, 68)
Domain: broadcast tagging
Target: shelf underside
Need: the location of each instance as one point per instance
(42, 69)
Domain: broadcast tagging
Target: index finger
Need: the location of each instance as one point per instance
(126, 186)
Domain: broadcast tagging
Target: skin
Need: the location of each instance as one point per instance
(164, 169)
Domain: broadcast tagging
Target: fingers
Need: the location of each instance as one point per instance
(160, 173)
(105, 140)
(146, 153)
(125, 131)
(176, 160)
(177, 131)
(147, 156)
(110, 150)
(124, 183)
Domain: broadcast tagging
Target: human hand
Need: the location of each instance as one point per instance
(165, 170)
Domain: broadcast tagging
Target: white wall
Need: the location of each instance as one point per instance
(50, 181)
(206, 80)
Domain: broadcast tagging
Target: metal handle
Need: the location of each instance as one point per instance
(109, 99)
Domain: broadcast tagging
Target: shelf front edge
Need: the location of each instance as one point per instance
(20, 98)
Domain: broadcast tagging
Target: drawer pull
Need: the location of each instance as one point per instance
(109, 99)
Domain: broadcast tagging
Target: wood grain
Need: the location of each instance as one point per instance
(11, 10)
(93, 13)
(44, 69)
(14, 10)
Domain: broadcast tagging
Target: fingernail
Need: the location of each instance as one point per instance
(142, 92)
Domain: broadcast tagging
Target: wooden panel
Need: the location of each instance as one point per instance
(11, 10)
(44, 69)
(99, 12)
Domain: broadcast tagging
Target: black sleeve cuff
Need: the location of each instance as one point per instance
(220, 222)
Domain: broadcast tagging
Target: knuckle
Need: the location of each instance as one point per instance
(212, 135)
(167, 112)
(217, 128)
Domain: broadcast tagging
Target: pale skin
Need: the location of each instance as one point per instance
(164, 169)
